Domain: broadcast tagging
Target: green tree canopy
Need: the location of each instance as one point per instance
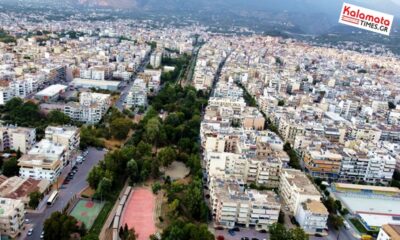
(120, 127)
(60, 227)
(34, 199)
(10, 167)
(166, 156)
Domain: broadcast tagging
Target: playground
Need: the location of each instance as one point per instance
(86, 211)
(139, 213)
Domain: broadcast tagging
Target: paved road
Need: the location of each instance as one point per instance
(66, 192)
(120, 103)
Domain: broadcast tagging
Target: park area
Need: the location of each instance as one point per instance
(139, 213)
(86, 211)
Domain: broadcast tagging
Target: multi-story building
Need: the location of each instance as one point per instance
(45, 161)
(137, 96)
(295, 188)
(233, 205)
(12, 217)
(389, 232)
(68, 136)
(17, 138)
(312, 217)
(323, 163)
(90, 109)
(155, 59)
(367, 166)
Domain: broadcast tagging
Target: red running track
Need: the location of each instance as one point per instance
(138, 213)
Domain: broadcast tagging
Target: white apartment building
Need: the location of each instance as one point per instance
(90, 109)
(264, 171)
(14, 138)
(95, 73)
(155, 59)
(16, 88)
(368, 166)
(12, 217)
(44, 161)
(137, 95)
(224, 163)
(39, 167)
(67, 136)
(233, 205)
(312, 217)
(295, 188)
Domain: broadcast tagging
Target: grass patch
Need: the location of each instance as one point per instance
(101, 218)
(360, 227)
(105, 211)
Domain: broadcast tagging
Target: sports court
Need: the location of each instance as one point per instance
(86, 211)
(139, 212)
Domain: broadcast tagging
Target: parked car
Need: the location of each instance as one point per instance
(236, 229)
(231, 232)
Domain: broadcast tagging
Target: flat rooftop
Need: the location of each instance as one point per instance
(366, 187)
(81, 81)
(52, 90)
(374, 209)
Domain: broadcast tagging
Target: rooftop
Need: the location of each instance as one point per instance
(52, 90)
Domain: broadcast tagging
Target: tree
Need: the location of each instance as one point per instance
(127, 234)
(58, 117)
(156, 187)
(34, 199)
(298, 234)
(95, 176)
(10, 167)
(120, 128)
(278, 231)
(104, 187)
(90, 236)
(391, 105)
(60, 226)
(152, 130)
(133, 171)
(281, 103)
(166, 156)
(336, 221)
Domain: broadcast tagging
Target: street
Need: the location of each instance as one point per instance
(120, 103)
(77, 184)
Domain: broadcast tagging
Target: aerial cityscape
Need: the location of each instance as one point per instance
(198, 120)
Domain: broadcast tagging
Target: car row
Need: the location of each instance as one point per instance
(30, 232)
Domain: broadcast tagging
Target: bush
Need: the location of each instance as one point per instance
(156, 187)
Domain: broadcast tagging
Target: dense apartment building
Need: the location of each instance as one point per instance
(312, 217)
(295, 188)
(90, 109)
(67, 136)
(233, 205)
(137, 95)
(323, 163)
(17, 138)
(44, 161)
(367, 166)
(12, 217)
(155, 59)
